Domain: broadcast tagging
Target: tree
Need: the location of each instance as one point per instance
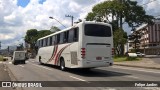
(135, 38)
(30, 36)
(43, 33)
(54, 29)
(121, 11)
(118, 12)
(119, 38)
(33, 35)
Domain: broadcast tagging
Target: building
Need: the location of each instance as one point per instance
(150, 39)
(8, 51)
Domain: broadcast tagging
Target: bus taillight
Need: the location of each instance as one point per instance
(83, 52)
(112, 51)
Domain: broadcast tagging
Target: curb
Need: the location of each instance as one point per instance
(12, 76)
(157, 68)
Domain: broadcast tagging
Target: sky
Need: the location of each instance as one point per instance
(17, 16)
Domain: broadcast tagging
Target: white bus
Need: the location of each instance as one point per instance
(85, 45)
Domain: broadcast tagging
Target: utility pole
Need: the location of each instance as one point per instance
(71, 18)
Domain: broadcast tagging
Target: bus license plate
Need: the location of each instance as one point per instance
(98, 58)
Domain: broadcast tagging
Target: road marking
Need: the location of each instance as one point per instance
(78, 78)
(132, 77)
(130, 68)
(26, 61)
(21, 65)
(32, 61)
(41, 66)
(10, 62)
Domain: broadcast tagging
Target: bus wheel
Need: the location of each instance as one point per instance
(24, 62)
(40, 60)
(62, 64)
(14, 62)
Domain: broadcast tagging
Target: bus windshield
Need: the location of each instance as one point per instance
(97, 30)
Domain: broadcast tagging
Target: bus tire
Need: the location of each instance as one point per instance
(62, 64)
(24, 62)
(14, 63)
(40, 60)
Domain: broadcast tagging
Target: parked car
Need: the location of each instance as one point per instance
(139, 54)
(5, 58)
(132, 55)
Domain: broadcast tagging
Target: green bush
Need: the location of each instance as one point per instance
(1, 58)
(132, 59)
(125, 58)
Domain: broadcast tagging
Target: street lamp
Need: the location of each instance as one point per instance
(57, 21)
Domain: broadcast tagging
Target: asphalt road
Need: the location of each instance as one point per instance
(4, 76)
(32, 71)
(156, 60)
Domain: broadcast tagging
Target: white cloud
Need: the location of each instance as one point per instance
(16, 20)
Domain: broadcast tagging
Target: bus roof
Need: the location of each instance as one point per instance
(88, 22)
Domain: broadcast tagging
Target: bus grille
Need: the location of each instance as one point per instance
(74, 58)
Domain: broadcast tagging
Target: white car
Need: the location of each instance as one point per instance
(132, 54)
(139, 54)
(5, 58)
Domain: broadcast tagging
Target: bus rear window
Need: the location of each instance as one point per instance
(97, 30)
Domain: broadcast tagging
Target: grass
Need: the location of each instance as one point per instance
(125, 58)
(1, 58)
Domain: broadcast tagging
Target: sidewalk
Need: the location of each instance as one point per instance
(152, 56)
(144, 63)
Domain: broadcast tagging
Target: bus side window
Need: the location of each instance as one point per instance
(61, 38)
(53, 40)
(42, 42)
(75, 38)
(66, 34)
(71, 33)
(39, 45)
(46, 42)
(50, 41)
(57, 38)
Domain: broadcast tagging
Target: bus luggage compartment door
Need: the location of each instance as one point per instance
(98, 52)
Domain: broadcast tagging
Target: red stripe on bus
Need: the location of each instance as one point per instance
(53, 54)
(55, 51)
(59, 54)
